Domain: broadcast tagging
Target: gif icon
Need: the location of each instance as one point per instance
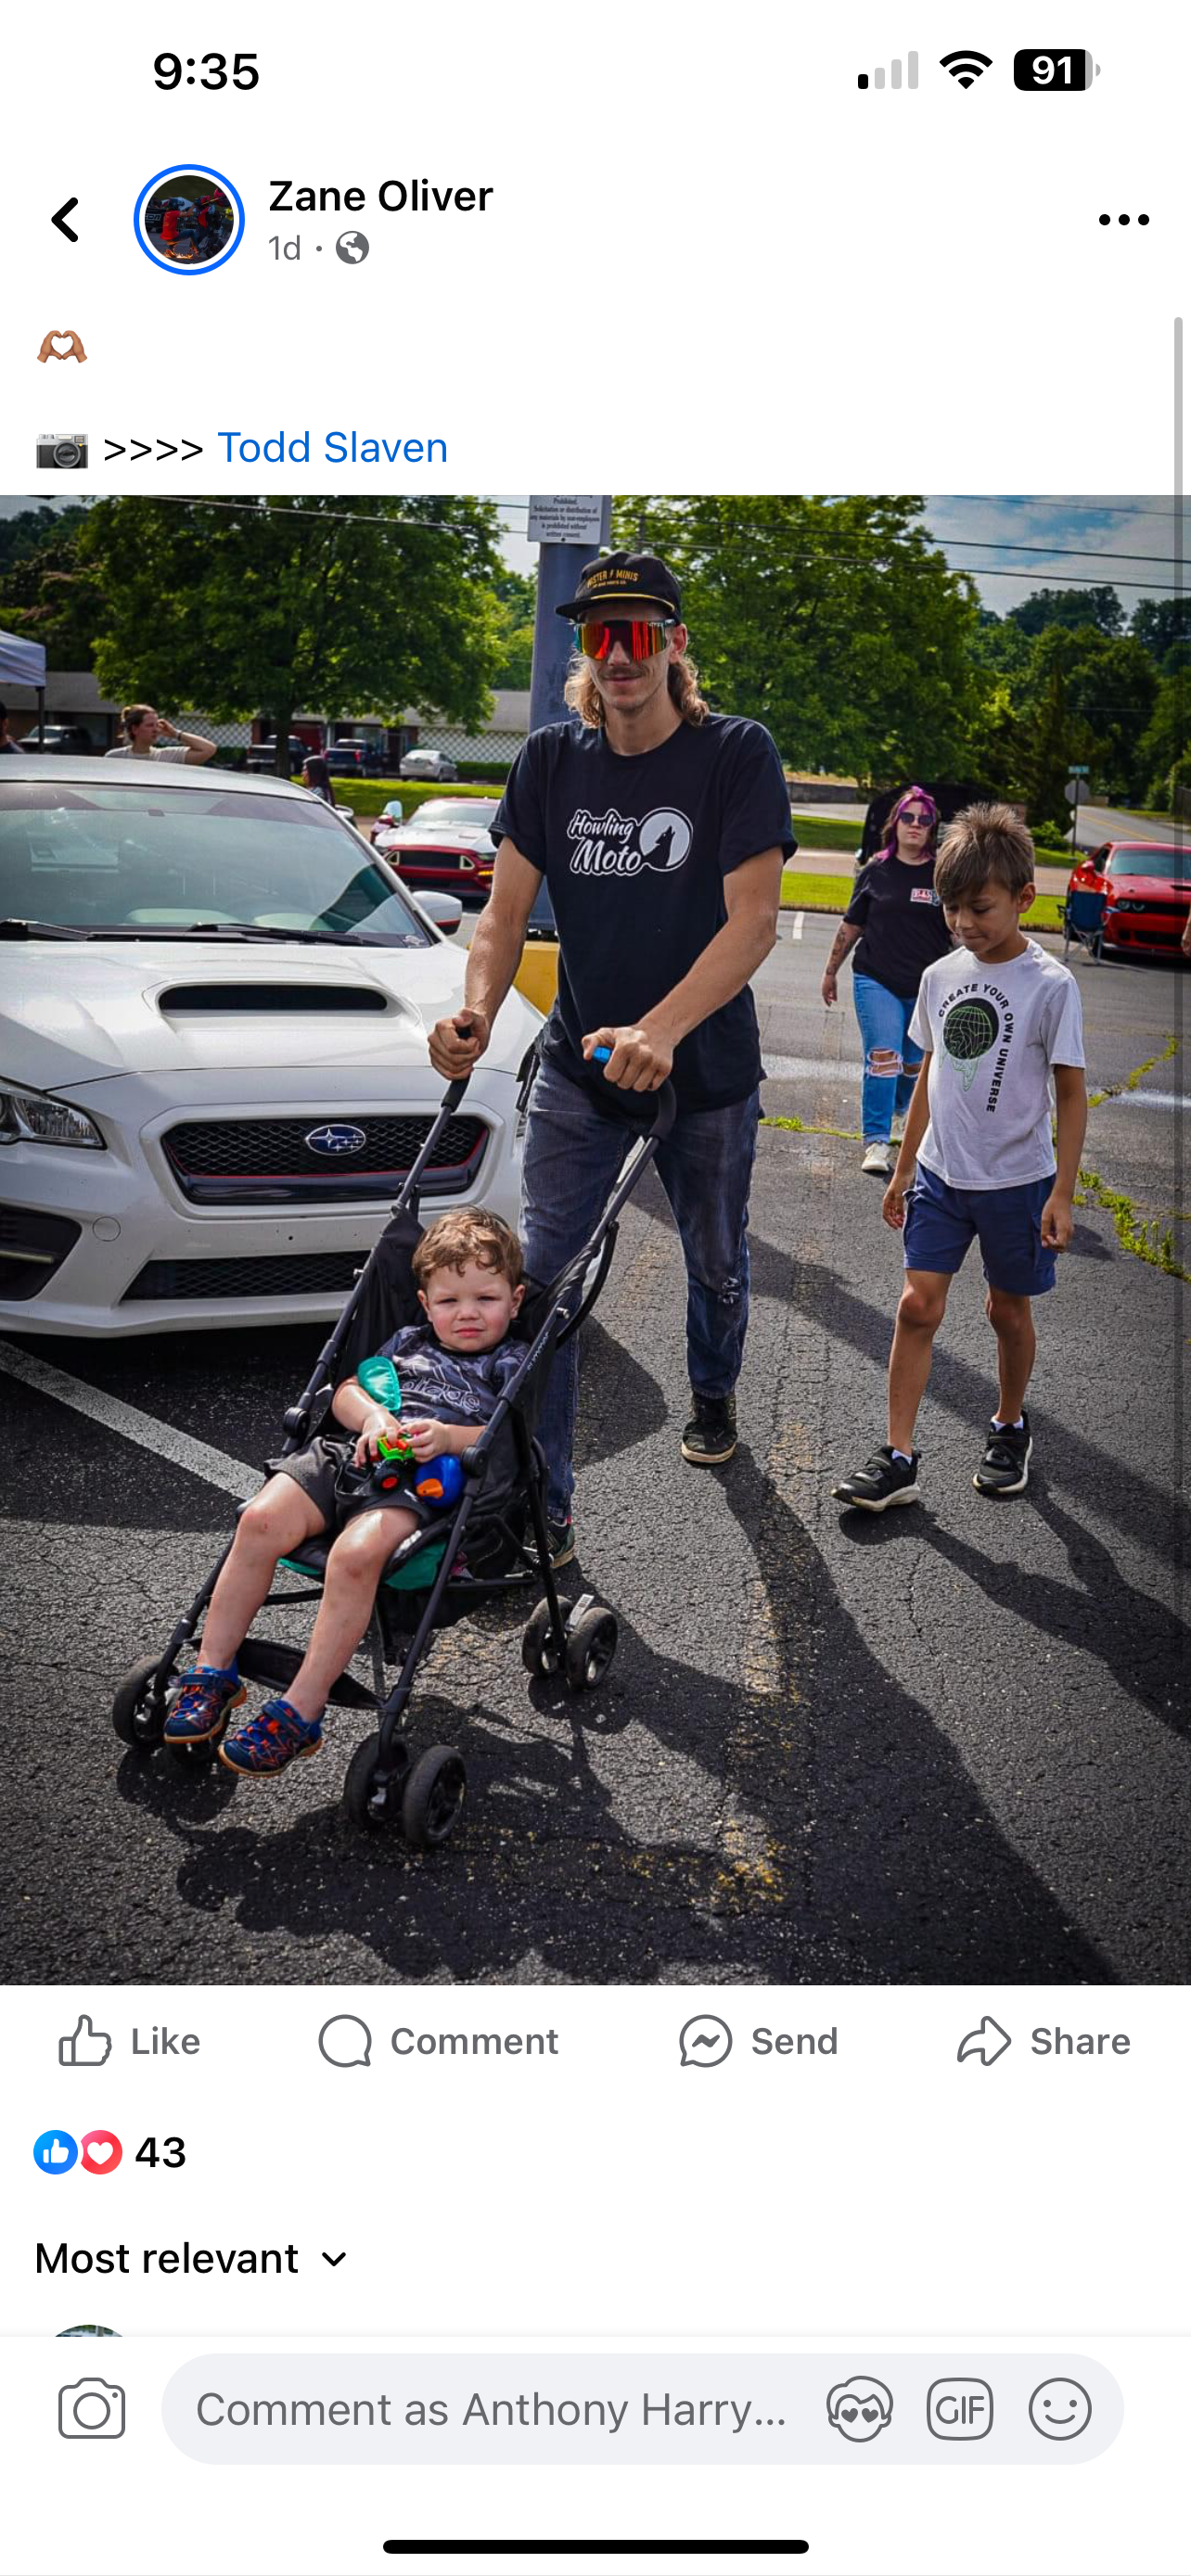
(959, 2410)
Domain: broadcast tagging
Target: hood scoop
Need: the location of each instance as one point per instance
(182, 1001)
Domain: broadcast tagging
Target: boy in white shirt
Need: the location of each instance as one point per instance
(1002, 1032)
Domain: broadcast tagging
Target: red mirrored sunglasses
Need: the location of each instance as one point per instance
(636, 637)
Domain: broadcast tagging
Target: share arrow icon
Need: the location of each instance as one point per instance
(988, 2043)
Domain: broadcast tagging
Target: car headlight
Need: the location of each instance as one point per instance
(35, 1117)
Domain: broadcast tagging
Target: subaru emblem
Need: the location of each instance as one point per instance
(336, 1140)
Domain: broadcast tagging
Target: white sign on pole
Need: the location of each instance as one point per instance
(565, 518)
(1077, 791)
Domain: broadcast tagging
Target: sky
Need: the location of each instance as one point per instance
(1130, 542)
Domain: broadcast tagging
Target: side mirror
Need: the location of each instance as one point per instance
(444, 910)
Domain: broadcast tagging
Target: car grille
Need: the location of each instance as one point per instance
(290, 1274)
(267, 1162)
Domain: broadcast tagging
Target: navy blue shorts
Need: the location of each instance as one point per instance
(940, 1224)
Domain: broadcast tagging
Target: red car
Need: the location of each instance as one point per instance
(1147, 890)
(446, 843)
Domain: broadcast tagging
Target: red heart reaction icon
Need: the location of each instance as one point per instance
(100, 2152)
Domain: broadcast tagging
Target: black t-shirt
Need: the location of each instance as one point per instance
(902, 924)
(634, 851)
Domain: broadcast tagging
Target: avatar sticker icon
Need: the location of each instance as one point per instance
(860, 2409)
(188, 219)
(969, 1030)
(1059, 2409)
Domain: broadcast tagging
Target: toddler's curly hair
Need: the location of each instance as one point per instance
(469, 1234)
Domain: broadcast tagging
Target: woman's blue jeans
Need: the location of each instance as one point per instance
(884, 1023)
(572, 1157)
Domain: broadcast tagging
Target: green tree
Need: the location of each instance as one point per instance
(1110, 686)
(45, 593)
(1160, 624)
(1091, 604)
(1167, 737)
(516, 601)
(270, 606)
(837, 622)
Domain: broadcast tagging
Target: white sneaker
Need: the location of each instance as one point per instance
(877, 1159)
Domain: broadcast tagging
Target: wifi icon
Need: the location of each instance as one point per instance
(965, 65)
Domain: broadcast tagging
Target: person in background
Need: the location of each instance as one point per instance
(144, 730)
(317, 777)
(896, 925)
(6, 741)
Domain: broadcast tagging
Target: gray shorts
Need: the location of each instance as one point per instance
(316, 1469)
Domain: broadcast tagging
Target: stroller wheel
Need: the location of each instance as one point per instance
(138, 1711)
(370, 1805)
(539, 1653)
(434, 1795)
(591, 1645)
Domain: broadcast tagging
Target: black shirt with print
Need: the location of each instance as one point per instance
(902, 924)
(635, 851)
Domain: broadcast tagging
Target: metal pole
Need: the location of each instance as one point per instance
(559, 568)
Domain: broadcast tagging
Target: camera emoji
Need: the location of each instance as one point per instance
(61, 451)
(91, 2410)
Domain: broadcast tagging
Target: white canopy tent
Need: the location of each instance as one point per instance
(23, 663)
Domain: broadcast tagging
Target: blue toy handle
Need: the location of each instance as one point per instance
(601, 1055)
(445, 1476)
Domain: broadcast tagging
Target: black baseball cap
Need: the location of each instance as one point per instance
(621, 584)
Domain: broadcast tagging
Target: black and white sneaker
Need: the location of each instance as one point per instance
(1005, 1466)
(882, 1480)
(709, 1439)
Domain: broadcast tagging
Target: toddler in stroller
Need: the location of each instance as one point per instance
(442, 1347)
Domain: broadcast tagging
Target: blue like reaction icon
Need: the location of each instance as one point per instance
(55, 2151)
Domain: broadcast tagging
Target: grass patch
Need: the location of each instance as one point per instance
(805, 891)
(1148, 1238)
(826, 832)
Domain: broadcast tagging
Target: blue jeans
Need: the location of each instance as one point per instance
(884, 1022)
(572, 1158)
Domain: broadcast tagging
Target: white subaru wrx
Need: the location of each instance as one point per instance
(214, 1007)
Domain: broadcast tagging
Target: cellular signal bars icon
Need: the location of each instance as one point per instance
(895, 75)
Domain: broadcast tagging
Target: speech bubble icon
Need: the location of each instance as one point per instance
(705, 2040)
(345, 2040)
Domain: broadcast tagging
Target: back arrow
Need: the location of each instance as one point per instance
(60, 218)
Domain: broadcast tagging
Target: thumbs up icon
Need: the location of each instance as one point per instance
(84, 2046)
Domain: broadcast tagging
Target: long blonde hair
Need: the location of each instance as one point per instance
(682, 680)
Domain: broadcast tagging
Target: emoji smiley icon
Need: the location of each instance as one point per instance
(1059, 2409)
(860, 2408)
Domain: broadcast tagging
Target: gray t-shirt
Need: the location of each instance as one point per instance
(159, 751)
(994, 1033)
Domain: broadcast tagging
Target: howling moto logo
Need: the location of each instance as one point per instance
(617, 845)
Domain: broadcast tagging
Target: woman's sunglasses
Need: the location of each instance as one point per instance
(639, 640)
(913, 819)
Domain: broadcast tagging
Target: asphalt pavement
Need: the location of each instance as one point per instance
(946, 1745)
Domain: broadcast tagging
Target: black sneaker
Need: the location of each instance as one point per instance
(710, 1436)
(1005, 1466)
(562, 1541)
(882, 1480)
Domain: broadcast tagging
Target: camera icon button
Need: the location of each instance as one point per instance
(91, 2410)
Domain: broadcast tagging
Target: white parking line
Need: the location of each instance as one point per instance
(230, 1475)
(796, 925)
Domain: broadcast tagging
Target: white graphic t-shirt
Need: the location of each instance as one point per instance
(994, 1033)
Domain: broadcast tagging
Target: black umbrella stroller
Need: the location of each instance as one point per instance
(493, 1541)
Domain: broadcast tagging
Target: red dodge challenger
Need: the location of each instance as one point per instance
(1147, 892)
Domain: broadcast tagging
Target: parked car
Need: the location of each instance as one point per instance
(213, 1059)
(60, 737)
(1147, 893)
(356, 756)
(435, 765)
(262, 756)
(949, 798)
(446, 842)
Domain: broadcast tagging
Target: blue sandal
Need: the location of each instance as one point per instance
(271, 1740)
(206, 1698)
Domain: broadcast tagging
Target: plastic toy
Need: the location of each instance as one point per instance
(439, 1481)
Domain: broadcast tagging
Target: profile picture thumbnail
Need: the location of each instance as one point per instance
(189, 219)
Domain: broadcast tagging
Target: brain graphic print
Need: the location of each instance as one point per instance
(969, 1030)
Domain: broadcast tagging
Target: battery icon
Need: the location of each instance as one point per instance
(1051, 70)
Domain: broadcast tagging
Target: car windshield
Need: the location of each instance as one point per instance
(442, 813)
(1147, 859)
(152, 859)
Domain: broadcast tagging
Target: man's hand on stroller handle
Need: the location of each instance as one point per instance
(458, 1043)
(637, 1059)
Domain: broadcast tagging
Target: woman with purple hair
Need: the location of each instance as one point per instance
(896, 925)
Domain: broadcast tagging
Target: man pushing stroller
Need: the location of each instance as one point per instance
(451, 1371)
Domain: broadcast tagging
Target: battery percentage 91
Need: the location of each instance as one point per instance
(1053, 71)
